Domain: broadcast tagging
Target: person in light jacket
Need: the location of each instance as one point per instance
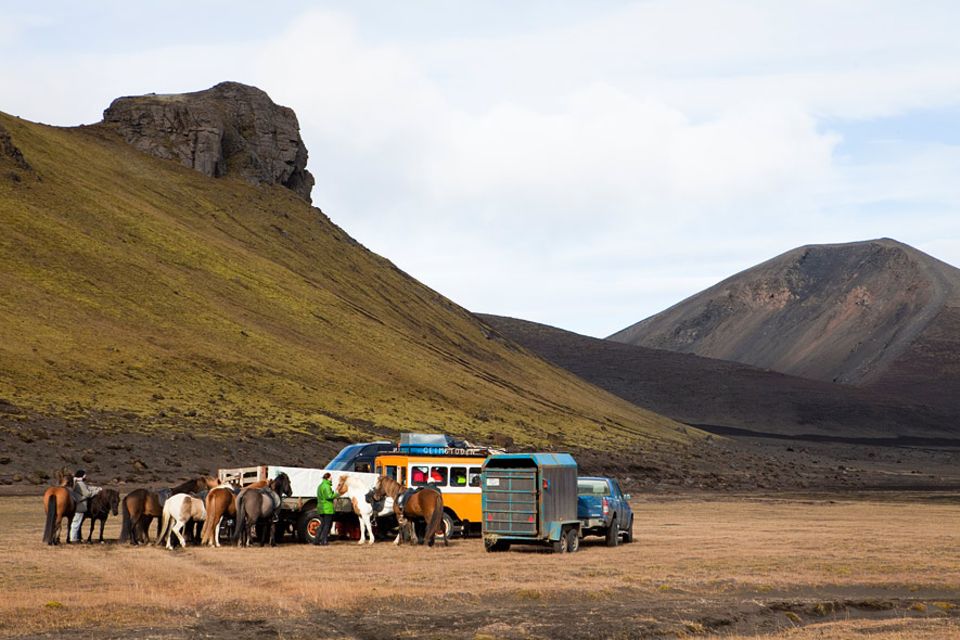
(82, 493)
(325, 496)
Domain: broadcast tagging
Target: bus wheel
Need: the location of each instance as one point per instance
(448, 530)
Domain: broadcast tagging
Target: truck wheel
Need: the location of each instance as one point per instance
(573, 541)
(308, 526)
(613, 532)
(628, 534)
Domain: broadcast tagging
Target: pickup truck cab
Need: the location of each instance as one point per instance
(604, 510)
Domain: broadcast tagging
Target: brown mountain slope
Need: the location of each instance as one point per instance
(875, 312)
(709, 392)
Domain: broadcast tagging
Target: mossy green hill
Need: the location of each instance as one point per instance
(137, 288)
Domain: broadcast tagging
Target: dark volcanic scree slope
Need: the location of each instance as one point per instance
(716, 393)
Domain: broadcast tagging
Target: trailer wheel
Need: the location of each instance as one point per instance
(308, 526)
(499, 545)
(613, 532)
(573, 541)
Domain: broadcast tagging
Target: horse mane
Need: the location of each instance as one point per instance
(192, 486)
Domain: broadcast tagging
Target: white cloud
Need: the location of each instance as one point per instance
(589, 170)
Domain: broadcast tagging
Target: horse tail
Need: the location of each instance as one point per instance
(436, 520)
(51, 523)
(240, 518)
(127, 527)
(167, 521)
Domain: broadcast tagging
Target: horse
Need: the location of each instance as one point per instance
(426, 503)
(358, 488)
(258, 504)
(221, 503)
(58, 503)
(178, 511)
(141, 506)
(100, 507)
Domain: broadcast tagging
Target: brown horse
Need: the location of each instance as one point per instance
(58, 503)
(263, 504)
(221, 503)
(141, 506)
(426, 503)
(100, 507)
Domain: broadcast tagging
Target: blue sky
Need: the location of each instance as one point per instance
(579, 164)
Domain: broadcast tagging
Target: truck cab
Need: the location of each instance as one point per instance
(359, 457)
(604, 510)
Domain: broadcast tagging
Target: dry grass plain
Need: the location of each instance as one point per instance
(732, 568)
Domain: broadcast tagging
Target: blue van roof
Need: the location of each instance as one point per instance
(540, 459)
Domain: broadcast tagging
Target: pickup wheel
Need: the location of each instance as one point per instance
(628, 533)
(613, 532)
(573, 541)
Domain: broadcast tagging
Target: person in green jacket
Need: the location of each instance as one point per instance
(325, 496)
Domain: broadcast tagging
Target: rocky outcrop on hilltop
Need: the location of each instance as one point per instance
(231, 128)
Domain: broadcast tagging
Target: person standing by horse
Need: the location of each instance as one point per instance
(83, 493)
(325, 496)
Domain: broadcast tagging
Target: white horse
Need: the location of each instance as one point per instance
(356, 487)
(178, 510)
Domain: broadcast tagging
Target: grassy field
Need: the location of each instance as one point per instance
(701, 568)
(150, 295)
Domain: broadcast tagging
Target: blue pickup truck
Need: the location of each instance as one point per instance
(603, 510)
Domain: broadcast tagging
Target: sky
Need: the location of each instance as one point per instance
(580, 164)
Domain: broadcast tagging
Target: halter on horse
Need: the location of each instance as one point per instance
(425, 502)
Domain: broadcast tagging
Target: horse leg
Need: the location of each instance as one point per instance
(102, 523)
(178, 530)
(93, 522)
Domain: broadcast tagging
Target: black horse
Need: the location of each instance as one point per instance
(100, 507)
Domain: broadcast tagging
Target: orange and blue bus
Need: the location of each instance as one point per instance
(456, 473)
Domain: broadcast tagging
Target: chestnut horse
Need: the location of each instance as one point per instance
(426, 503)
(141, 506)
(58, 503)
(100, 507)
(221, 503)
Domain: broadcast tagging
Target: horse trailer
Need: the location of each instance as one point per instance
(530, 498)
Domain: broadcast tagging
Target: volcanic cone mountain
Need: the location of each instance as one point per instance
(163, 274)
(878, 314)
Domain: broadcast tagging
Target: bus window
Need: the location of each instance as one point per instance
(458, 476)
(378, 470)
(418, 475)
(403, 475)
(391, 472)
(438, 476)
(475, 476)
(362, 467)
